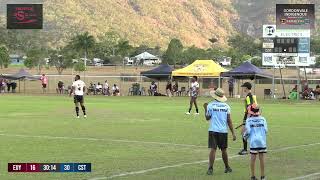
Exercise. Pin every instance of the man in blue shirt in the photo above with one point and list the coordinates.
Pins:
(256, 130)
(218, 115)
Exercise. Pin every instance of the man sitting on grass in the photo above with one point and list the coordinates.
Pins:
(115, 90)
(256, 130)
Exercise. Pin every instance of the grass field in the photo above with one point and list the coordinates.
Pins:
(148, 138)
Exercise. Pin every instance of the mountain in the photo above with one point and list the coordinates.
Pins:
(154, 22)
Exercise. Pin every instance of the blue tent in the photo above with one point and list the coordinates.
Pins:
(247, 71)
(161, 72)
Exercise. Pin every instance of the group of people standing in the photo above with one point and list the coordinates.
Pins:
(7, 86)
(218, 114)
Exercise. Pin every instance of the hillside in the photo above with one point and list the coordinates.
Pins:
(154, 22)
(151, 22)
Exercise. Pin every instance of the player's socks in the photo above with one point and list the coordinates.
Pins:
(263, 178)
(245, 144)
(77, 111)
(83, 110)
(210, 171)
(197, 110)
(253, 178)
(189, 110)
(228, 170)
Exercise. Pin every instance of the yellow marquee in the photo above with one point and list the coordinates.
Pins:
(201, 68)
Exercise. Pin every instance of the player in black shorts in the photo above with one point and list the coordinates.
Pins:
(78, 89)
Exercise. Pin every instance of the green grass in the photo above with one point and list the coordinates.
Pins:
(143, 120)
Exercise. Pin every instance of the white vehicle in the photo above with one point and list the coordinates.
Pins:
(130, 62)
(98, 64)
(225, 61)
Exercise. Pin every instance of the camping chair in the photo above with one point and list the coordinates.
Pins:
(142, 91)
(182, 90)
(130, 92)
(267, 92)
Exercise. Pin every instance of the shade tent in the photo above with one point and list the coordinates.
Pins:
(20, 75)
(146, 55)
(247, 71)
(200, 68)
(161, 72)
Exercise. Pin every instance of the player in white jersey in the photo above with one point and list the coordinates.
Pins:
(194, 91)
(78, 90)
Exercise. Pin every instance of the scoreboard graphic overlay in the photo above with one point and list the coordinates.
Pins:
(48, 167)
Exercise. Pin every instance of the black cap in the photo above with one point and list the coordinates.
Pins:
(247, 85)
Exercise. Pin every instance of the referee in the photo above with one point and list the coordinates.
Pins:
(249, 100)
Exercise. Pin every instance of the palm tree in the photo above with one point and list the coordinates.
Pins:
(83, 42)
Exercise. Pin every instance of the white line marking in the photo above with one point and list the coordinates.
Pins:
(155, 169)
(97, 139)
(191, 163)
(312, 176)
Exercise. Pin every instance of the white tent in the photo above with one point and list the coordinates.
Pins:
(148, 59)
(146, 55)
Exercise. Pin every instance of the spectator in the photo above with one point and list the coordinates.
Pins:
(44, 82)
(115, 90)
(106, 90)
(231, 86)
(294, 93)
(8, 86)
(60, 88)
(91, 88)
(169, 89)
(295, 89)
(94, 89)
(317, 91)
(13, 87)
(99, 88)
(175, 87)
(1, 85)
(153, 89)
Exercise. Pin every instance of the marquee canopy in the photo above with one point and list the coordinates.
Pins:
(201, 68)
(247, 71)
(161, 72)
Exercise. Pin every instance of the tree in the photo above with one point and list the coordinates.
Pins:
(123, 48)
(192, 53)
(79, 66)
(315, 45)
(61, 59)
(4, 57)
(245, 44)
(36, 58)
(174, 52)
(83, 42)
(106, 46)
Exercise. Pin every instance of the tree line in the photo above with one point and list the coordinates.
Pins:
(112, 48)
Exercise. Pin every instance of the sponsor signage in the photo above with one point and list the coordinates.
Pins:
(24, 16)
(295, 16)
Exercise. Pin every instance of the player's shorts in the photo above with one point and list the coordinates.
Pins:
(258, 150)
(44, 85)
(216, 139)
(78, 99)
(194, 95)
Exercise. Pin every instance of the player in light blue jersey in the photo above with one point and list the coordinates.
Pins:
(256, 130)
(218, 113)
